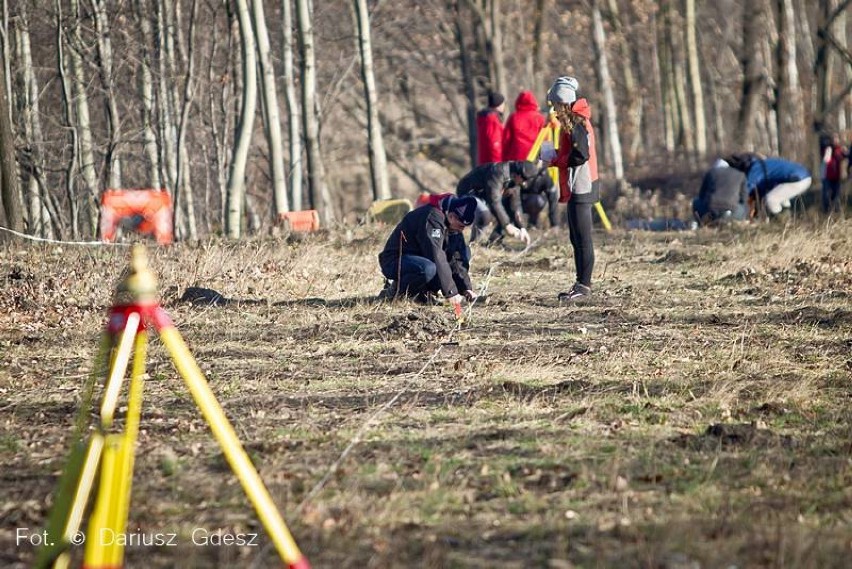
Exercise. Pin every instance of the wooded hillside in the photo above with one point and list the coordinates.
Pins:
(243, 109)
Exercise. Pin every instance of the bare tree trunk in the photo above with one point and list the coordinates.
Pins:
(599, 41)
(495, 41)
(9, 189)
(4, 34)
(237, 175)
(770, 118)
(68, 124)
(84, 129)
(679, 79)
(695, 80)
(630, 123)
(660, 88)
(102, 27)
(320, 198)
(844, 114)
(671, 118)
(375, 142)
(183, 171)
(295, 124)
(167, 126)
(38, 214)
(219, 107)
(789, 106)
(147, 94)
(753, 73)
(538, 43)
(468, 79)
(273, 117)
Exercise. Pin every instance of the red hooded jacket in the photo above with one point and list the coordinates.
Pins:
(578, 155)
(489, 137)
(522, 127)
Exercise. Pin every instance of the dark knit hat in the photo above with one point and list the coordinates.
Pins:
(495, 99)
(464, 207)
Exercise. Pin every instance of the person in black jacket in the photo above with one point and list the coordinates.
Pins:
(723, 195)
(426, 252)
(490, 183)
(540, 193)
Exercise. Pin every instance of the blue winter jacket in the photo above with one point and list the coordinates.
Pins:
(763, 175)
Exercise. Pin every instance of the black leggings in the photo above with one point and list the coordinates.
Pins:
(580, 232)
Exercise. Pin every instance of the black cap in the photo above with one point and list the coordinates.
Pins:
(464, 207)
(495, 99)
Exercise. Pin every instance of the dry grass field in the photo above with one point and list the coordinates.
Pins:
(695, 413)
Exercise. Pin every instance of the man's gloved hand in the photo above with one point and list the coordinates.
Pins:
(524, 236)
(456, 299)
(513, 231)
(470, 295)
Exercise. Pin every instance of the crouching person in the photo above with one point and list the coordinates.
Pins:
(723, 196)
(426, 252)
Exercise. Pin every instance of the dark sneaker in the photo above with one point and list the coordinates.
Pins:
(389, 291)
(577, 292)
(429, 298)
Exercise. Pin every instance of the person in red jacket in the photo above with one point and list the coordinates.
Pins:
(522, 128)
(577, 162)
(489, 130)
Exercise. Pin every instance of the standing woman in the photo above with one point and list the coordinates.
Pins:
(577, 162)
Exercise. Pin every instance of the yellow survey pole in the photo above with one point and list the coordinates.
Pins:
(231, 447)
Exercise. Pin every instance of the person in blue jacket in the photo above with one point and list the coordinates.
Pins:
(775, 181)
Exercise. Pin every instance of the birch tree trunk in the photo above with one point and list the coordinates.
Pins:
(295, 123)
(9, 189)
(320, 198)
(695, 80)
(102, 27)
(84, 129)
(236, 178)
(146, 87)
(38, 215)
(375, 141)
(599, 41)
(272, 116)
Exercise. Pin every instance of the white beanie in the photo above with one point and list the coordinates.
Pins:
(721, 164)
(563, 90)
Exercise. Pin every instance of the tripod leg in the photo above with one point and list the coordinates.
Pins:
(78, 475)
(118, 369)
(231, 447)
(120, 507)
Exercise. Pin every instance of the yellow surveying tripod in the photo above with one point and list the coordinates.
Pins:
(108, 455)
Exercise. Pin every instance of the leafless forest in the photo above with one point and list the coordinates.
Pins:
(244, 109)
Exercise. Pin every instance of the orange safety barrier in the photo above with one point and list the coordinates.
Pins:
(303, 221)
(149, 212)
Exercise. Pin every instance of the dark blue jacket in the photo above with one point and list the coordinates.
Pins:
(423, 232)
(763, 175)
